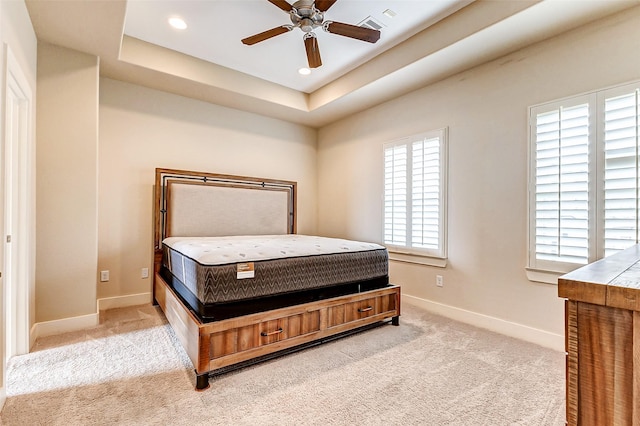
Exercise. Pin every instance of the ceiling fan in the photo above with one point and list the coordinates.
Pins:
(309, 15)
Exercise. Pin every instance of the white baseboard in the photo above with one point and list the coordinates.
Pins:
(32, 337)
(64, 325)
(3, 397)
(123, 301)
(508, 328)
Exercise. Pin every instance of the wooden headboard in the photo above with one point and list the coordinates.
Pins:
(191, 204)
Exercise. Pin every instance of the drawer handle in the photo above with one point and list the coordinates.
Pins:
(265, 334)
(367, 309)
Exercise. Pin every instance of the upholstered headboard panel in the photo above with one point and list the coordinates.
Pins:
(192, 204)
(211, 210)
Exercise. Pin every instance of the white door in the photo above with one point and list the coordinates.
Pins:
(17, 192)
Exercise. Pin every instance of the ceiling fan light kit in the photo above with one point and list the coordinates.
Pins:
(309, 15)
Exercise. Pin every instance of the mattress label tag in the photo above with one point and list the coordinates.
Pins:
(245, 270)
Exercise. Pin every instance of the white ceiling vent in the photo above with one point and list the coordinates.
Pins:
(370, 22)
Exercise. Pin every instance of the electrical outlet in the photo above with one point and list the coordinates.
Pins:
(104, 276)
(144, 273)
(439, 280)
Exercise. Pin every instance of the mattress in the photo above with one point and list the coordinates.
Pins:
(231, 269)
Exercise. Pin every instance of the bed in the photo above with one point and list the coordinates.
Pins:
(239, 285)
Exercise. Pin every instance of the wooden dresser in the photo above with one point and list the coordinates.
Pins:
(602, 315)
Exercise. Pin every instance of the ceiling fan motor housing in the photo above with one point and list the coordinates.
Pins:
(305, 16)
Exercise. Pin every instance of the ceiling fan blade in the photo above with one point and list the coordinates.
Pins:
(352, 31)
(313, 53)
(257, 38)
(324, 5)
(281, 4)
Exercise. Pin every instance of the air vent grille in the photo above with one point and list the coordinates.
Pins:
(371, 23)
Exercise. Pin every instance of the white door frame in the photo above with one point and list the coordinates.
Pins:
(18, 207)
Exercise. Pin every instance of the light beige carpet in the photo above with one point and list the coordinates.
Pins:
(131, 370)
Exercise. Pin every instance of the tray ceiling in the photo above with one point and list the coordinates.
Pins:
(426, 41)
(215, 28)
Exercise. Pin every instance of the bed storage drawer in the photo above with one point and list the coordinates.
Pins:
(251, 336)
(361, 309)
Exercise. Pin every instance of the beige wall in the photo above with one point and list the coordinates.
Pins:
(67, 214)
(141, 129)
(94, 199)
(16, 33)
(486, 111)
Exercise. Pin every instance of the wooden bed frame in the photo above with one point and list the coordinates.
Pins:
(219, 346)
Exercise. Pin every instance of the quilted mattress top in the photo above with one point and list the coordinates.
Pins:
(236, 249)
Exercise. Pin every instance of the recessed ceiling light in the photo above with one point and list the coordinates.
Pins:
(389, 13)
(304, 71)
(177, 23)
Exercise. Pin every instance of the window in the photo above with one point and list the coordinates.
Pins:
(584, 181)
(415, 179)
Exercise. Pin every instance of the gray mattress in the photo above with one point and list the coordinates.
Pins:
(218, 271)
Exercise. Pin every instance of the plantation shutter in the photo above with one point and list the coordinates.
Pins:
(562, 184)
(395, 194)
(621, 177)
(425, 194)
(415, 194)
(584, 182)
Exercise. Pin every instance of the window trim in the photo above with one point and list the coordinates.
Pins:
(548, 271)
(420, 255)
(552, 266)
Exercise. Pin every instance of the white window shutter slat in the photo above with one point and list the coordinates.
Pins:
(395, 202)
(562, 185)
(621, 177)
